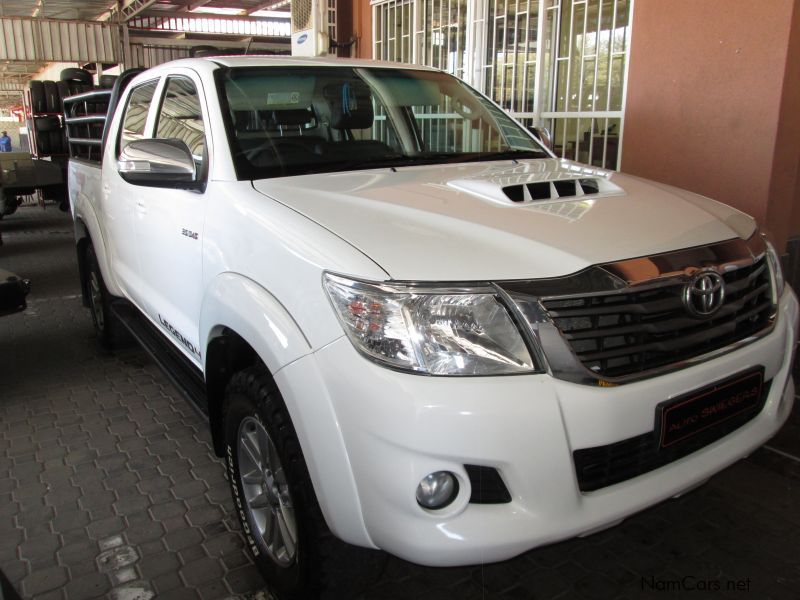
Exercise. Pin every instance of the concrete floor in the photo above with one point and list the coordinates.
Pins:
(109, 488)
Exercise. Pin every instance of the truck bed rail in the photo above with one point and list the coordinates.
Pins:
(85, 118)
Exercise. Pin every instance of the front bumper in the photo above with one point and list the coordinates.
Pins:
(396, 428)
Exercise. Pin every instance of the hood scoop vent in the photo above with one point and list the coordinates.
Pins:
(534, 192)
(551, 190)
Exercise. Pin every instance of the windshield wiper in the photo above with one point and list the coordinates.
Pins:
(394, 160)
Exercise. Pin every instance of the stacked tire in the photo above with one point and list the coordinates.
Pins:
(48, 108)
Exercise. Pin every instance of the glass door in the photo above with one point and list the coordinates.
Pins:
(586, 86)
(557, 63)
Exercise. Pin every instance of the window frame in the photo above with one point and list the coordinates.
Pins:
(162, 91)
(148, 125)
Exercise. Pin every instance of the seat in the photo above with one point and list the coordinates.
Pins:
(350, 105)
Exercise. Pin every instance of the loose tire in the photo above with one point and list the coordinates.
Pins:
(272, 491)
(8, 203)
(106, 326)
(63, 92)
(46, 124)
(107, 81)
(75, 74)
(38, 103)
(51, 97)
(43, 144)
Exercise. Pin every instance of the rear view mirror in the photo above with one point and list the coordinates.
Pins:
(158, 163)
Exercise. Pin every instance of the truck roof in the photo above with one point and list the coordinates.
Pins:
(281, 61)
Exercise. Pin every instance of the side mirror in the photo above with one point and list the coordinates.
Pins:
(543, 135)
(158, 163)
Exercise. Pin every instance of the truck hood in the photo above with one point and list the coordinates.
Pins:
(457, 222)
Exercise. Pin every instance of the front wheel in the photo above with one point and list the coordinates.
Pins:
(272, 492)
(274, 498)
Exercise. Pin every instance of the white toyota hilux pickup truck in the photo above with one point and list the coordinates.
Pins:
(409, 324)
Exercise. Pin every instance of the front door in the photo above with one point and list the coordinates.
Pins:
(169, 227)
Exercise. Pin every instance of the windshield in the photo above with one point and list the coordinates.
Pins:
(294, 120)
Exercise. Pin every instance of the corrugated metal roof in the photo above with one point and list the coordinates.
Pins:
(18, 64)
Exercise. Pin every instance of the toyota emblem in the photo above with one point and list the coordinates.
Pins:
(704, 294)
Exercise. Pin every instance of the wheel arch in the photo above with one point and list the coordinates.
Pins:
(88, 231)
(226, 354)
(244, 325)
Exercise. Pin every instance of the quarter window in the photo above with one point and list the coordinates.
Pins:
(136, 113)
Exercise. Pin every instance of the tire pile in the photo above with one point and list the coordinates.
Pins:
(47, 109)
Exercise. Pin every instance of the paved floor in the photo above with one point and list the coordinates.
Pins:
(108, 486)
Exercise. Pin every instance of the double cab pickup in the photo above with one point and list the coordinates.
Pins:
(411, 326)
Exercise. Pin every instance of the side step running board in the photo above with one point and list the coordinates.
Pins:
(179, 369)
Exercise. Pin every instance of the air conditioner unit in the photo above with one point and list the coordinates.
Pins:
(309, 28)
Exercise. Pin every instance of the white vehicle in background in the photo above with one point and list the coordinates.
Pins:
(408, 323)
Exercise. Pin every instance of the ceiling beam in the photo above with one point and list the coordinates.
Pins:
(270, 4)
(127, 10)
(167, 14)
(213, 41)
(190, 6)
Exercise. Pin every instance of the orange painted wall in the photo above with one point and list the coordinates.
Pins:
(354, 22)
(713, 100)
(362, 17)
(783, 213)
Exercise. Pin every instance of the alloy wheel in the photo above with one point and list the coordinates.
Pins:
(266, 492)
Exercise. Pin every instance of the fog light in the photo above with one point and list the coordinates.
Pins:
(437, 490)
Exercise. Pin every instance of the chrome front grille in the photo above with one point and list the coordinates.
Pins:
(629, 331)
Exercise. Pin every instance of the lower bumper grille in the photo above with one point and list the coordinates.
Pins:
(487, 485)
(603, 466)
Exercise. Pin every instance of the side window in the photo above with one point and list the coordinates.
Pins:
(136, 113)
(181, 118)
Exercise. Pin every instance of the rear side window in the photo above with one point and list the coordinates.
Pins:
(136, 113)
(181, 118)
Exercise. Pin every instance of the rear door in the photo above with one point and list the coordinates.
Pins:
(170, 223)
(121, 201)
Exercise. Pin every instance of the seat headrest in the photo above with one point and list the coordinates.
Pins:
(351, 105)
(247, 120)
(293, 117)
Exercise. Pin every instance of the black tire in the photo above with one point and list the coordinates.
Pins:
(321, 562)
(79, 75)
(106, 326)
(63, 92)
(38, 103)
(47, 124)
(8, 204)
(107, 81)
(43, 143)
(52, 100)
(204, 50)
(91, 107)
(56, 142)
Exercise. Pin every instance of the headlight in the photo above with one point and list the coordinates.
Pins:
(438, 332)
(774, 260)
